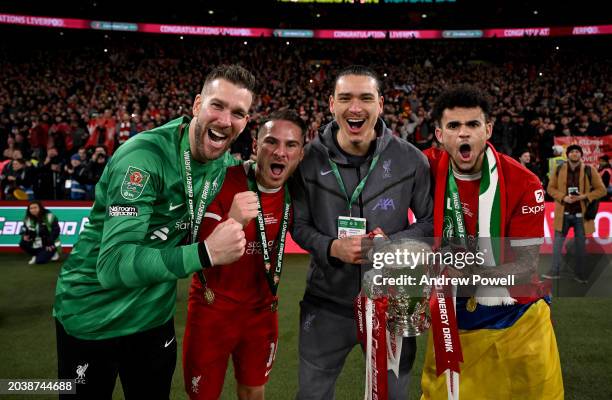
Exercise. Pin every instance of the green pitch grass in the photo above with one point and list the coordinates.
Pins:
(27, 336)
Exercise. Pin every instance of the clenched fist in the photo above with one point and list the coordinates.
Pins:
(244, 207)
(226, 243)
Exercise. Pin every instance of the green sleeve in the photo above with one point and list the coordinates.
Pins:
(127, 257)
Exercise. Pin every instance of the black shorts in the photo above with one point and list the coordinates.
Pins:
(144, 361)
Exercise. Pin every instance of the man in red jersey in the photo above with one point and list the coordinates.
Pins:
(507, 339)
(232, 310)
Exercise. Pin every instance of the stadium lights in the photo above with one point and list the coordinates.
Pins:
(424, 16)
(535, 12)
(61, 33)
(287, 42)
(181, 38)
(245, 42)
(106, 50)
(556, 47)
(539, 73)
(311, 81)
(211, 12)
(318, 15)
(385, 74)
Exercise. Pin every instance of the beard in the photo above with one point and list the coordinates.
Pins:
(198, 152)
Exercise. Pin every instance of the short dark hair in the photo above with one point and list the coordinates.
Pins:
(285, 114)
(572, 147)
(361, 71)
(464, 96)
(233, 73)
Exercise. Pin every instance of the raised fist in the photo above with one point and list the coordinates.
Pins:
(226, 243)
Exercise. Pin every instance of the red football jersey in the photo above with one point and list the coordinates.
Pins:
(243, 282)
(468, 194)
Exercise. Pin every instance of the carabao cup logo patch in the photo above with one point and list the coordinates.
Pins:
(134, 183)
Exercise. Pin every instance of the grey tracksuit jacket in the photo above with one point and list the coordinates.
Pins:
(400, 181)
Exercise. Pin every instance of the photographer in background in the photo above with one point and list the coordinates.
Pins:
(40, 234)
(573, 185)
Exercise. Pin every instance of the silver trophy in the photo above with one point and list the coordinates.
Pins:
(401, 283)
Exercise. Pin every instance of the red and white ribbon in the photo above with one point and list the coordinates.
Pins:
(447, 347)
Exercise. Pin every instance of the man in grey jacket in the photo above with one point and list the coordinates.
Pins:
(356, 177)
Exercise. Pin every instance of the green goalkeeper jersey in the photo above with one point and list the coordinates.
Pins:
(121, 275)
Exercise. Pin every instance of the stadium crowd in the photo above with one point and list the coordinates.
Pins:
(67, 103)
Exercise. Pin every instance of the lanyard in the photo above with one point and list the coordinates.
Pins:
(455, 227)
(359, 187)
(273, 277)
(210, 188)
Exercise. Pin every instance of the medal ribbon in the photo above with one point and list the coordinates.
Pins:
(210, 188)
(359, 187)
(273, 277)
(372, 333)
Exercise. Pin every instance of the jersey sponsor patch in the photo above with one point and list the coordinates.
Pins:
(539, 196)
(121, 210)
(134, 183)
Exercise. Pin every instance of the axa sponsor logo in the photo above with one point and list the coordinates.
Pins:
(532, 210)
(384, 204)
(161, 233)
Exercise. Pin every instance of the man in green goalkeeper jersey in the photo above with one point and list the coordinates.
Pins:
(115, 296)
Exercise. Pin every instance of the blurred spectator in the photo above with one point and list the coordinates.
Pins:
(73, 170)
(16, 180)
(525, 160)
(40, 234)
(91, 172)
(605, 171)
(50, 182)
(556, 160)
(505, 137)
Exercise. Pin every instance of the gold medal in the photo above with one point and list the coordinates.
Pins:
(209, 296)
(274, 306)
(471, 304)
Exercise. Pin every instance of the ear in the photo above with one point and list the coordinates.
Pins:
(197, 104)
(489, 127)
(331, 104)
(438, 132)
(381, 103)
(254, 146)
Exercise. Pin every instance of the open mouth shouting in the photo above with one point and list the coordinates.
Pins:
(355, 124)
(217, 138)
(276, 170)
(465, 152)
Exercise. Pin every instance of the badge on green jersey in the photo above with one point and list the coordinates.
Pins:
(134, 183)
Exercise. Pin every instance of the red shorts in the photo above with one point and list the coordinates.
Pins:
(213, 333)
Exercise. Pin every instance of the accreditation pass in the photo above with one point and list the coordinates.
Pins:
(351, 226)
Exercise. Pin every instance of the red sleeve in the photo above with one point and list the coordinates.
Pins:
(526, 219)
